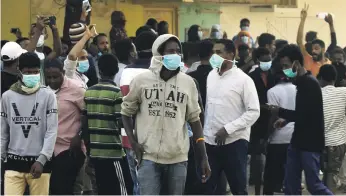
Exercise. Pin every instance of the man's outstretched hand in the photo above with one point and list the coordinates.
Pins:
(304, 12)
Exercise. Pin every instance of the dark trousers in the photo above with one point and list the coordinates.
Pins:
(66, 167)
(257, 149)
(274, 172)
(232, 160)
(193, 184)
(110, 177)
(2, 177)
(333, 157)
(297, 161)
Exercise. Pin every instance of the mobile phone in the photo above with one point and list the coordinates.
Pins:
(14, 30)
(52, 20)
(86, 5)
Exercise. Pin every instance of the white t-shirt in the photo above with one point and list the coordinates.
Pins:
(284, 96)
(120, 72)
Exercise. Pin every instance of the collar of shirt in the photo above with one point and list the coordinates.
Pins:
(230, 71)
(107, 81)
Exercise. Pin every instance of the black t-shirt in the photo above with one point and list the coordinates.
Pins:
(7, 79)
(201, 75)
(308, 116)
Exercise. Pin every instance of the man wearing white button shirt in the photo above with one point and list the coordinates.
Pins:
(232, 108)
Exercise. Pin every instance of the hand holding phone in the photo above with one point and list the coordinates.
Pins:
(52, 21)
(86, 6)
(14, 30)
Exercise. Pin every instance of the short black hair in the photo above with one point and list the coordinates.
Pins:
(161, 48)
(95, 40)
(327, 73)
(108, 65)
(54, 63)
(145, 41)
(29, 60)
(151, 22)
(205, 49)
(292, 52)
(229, 45)
(280, 43)
(311, 35)
(261, 51)
(242, 47)
(142, 29)
(3, 42)
(161, 27)
(192, 33)
(122, 49)
(319, 42)
(338, 50)
(244, 20)
(265, 38)
(19, 40)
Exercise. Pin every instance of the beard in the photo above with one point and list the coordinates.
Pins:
(316, 57)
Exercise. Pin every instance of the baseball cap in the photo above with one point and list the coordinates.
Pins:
(11, 51)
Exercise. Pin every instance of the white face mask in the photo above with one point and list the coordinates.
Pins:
(40, 41)
(200, 34)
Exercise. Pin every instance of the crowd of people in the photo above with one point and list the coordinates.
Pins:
(152, 115)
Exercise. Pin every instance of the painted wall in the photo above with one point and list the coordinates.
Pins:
(204, 15)
(284, 22)
(14, 16)
(27, 10)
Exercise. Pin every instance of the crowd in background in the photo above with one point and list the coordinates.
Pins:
(151, 115)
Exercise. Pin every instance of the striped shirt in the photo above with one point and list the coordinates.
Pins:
(103, 105)
(334, 109)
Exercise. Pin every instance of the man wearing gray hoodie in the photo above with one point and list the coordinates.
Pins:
(29, 124)
(163, 100)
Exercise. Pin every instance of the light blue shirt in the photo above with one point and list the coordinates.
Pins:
(189, 130)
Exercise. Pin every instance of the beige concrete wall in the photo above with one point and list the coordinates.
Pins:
(283, 23)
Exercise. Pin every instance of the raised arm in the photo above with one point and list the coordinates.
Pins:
(89, 33)
(300, 36)
(57, 46)
(37, 33)
(333, 44)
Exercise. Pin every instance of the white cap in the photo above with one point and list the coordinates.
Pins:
(11, 51)
(216, 27)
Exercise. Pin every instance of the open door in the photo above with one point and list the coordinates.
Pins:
(167, 14)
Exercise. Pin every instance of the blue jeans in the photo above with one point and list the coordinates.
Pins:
(297, 161)
(153, 176)
(130, 155)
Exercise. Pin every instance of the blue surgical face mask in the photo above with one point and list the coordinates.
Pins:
(265, 66)
(216, 61)
(244, 28)
(31, 81)
(171, 61)
(83, 66)
(289, 73)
